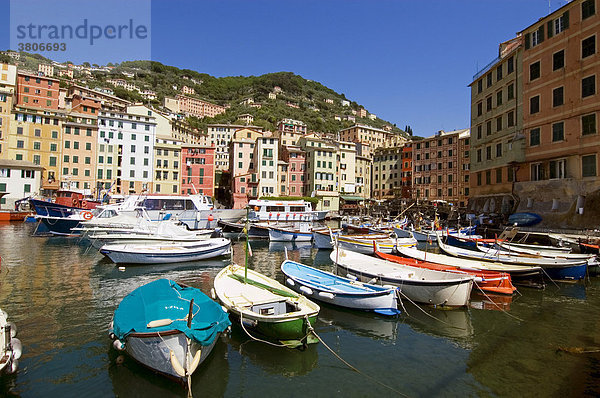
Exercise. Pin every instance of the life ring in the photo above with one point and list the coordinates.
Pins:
(75, 202)
(87, 215)
(83, 204)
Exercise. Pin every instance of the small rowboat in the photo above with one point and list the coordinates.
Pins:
(160, 253)
(168, 328)
(364, 243)
(488, 281)
(418, 284)
(333, 289)
(322, 237)
(266, 306)
(281, 234)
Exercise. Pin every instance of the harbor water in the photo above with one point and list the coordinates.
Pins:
(61, 294)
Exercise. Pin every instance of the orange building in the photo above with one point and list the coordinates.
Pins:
(37, 91)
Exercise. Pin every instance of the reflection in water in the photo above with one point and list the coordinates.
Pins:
(361, 323)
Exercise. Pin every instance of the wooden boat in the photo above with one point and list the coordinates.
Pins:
(555, 268)
(10, 346)
(333, 289)
(533, 250)
(423, 235)
(322, 237)
(290, 234)
(168, 328)
(520, 274)
(265, 306)
(167, 252)
(364, 243)
(589, 248)
(421, 285)
(488, 281)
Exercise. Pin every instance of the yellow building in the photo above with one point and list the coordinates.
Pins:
(167, 163)
(36, 136)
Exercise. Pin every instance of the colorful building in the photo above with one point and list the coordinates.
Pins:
(197, 169)
(167, 165)
(37, 91)
(18, 179)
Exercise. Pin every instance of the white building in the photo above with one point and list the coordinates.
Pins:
(345, 103)
(125, 151)
(18, 179)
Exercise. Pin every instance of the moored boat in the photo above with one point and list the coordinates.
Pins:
(168, 328)
(322, 237)
(421, 285)
(171, 252)
(333, 289)
(283, 234)
(265, 306)
(364, 243)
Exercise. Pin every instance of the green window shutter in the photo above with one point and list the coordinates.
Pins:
(566, 20)
(550, 30)
(527, 41)
(541, 33)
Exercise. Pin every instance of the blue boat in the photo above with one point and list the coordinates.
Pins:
(168, 328)
(524, 219)
(45, 208)
(566, 273)
(333, 289)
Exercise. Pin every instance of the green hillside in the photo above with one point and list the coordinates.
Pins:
(166, 80)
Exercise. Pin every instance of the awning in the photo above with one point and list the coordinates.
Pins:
(352, 198)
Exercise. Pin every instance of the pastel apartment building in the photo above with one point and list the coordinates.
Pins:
(37, 91)
(197, 169)
(242, 167)
(8, 81)
(561, 69)
(191, 106)
(167, 165)
(372, 136)
(295, 158)
(219, 136)
(79, 146)
(18, 179)
(387, 173)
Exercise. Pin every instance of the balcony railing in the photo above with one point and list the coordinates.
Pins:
(486, 68)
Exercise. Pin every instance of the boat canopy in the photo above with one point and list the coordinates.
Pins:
(164, 299)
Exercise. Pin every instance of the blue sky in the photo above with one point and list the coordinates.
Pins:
(408, 61)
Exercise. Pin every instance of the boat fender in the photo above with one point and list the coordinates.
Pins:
(159, 322)
(17, 347)
(249, 323)
(118, 345)
(195, 361)
(350, 276)
(13, 329)
(213, 294)
(13, 366)
(176, 365)
(225, 310)
(306, 290)
(327, 295)
(372, 281)
(290, 282)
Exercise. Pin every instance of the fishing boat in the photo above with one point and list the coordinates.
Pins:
(10, 346)
(66, 203)
(283, 211)
(423, 235)
(168, 328)
(555, 268)
(420, 285)
(166, 232)
(524, 275)
(265, 306)
(364, 243)
(282, 234)
(171, 252)
(542, 251)
(322, 237)
(488, 281)
(333, 289)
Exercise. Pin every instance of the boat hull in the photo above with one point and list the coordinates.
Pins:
(126, 255)
(154, 351)
(322, 240)
(280, 235)
(60, 225)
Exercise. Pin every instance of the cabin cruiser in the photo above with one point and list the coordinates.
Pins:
(283, 211)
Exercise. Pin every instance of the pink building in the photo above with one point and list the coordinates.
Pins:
(242, 166)
(295, 158)
(197, 169)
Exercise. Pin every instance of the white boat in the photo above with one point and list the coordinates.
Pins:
(424, 235)
(10, 346)
(322, 237)
(344, 292)
(167, 252)
(284, 211)
(167, 327)
(420, 285)
(536, 251)
(286, 234)
(365, 243)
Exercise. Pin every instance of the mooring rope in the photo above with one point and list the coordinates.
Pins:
(500, 308)
(429, 315)
(312, 330)
(265, 341)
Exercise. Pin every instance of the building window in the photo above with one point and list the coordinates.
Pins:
(499, 150)
(498, 176)
(558, 60)
(499, 123)
(588, 166)
(488, 127)
(479, 86)
(588, 86)
(510, 65)
(479, 156)
(558, 132)
(558, 168)
(479, 113)
(588, 46)
(479, 129)
(534, 104)
(510, 92)
(558, 96)
(479, 178)
(537, 172)
(489, 79)
(510, 119)
(499, 98)
(499, 73)
(488, 103)
(488, 153)
(588, 124)
(20, 144)
(534, 137)
(488, 177)
(534, 71)
(588, 8)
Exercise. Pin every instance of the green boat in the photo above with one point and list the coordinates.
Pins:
(265, 307)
